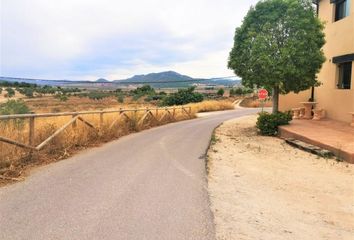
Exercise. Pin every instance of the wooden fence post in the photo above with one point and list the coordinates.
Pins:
(74, 125)
(31, 131)
(120, 113)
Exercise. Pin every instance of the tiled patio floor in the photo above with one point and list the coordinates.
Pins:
(335, 136)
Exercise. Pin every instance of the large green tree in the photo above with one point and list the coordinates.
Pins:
(278, 46)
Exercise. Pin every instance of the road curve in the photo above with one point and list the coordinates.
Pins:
(148, 185)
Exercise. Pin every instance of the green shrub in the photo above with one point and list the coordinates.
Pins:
(136, 97)
(67, 91)
(99, 95)
(81, 95)
(140, 92)
(144, 90)
(268, 123)
(240, 91)
(10, 92)
(220, 92)
(14, 107)
(155, 97)
(232, 92)
(16, 84)
(120, 97)
(183, 96)
(61, 97)
(47, 89)
(28, 92)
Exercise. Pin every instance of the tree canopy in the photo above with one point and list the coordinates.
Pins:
(183, 96)
(278, 46)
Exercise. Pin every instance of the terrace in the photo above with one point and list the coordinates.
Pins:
(335, 136)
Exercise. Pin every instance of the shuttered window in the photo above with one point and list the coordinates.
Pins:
(345, 75)
(341, 9)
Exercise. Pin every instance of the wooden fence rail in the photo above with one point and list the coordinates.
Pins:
(77, 116)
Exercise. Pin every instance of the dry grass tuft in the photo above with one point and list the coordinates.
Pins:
(212, 105)
(253, 102)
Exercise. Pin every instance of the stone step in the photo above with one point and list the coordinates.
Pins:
(309, 148)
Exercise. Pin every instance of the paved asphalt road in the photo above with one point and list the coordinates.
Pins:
(148, 185)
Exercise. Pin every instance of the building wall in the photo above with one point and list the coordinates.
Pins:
(292, 100)
(339, 41)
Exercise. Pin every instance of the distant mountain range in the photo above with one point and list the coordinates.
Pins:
(161, 79)
(102, 80)
(169, 76)
(174, 78)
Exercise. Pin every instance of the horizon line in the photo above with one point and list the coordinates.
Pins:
(117, 80)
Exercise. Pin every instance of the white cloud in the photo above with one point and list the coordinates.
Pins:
(75, 39)
(209, 65)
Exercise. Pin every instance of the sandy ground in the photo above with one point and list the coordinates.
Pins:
(4, 99)
(261, 188)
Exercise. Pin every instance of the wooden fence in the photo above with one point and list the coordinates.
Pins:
(78, 116)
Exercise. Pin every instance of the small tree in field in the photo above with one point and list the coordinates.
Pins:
(10, 92)
(220, 92)
(183, 96)
(278, 47)
(14, 107)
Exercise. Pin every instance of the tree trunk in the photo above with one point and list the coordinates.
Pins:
(275, 99)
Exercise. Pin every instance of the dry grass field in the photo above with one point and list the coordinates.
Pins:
(253, 102)
(212, 105)
(75, 104)
(14, 161)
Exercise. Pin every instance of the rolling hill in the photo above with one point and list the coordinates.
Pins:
(169, 76)
(174, 79)
(167, 79)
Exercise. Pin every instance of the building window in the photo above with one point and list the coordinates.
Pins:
(341, 9)
(345, 75)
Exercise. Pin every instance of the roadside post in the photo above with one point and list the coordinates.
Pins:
(262, 96)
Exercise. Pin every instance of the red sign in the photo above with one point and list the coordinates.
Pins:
(262, 94)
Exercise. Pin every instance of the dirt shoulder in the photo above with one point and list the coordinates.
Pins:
(261, 188)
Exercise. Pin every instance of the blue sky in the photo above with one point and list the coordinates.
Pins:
(114, 39)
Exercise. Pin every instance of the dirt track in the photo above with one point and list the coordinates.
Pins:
(262, 188)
